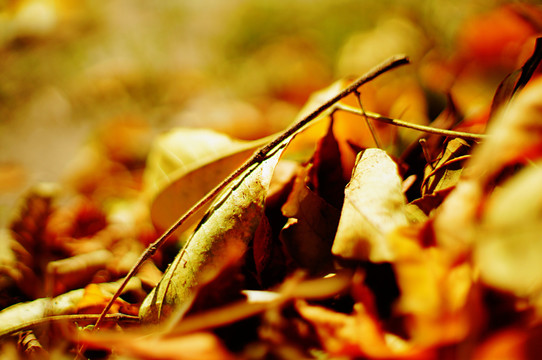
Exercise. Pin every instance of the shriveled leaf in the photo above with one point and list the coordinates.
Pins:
(327, 174)
(374, 206)
(446, 172)
(184, 164)
(514, 139)
(309, 232)
(508, 251)
(515, 136)
(220, 239)
(517, 80)
(29, 243)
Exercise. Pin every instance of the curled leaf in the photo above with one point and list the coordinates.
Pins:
(374, 206)
(220, 239)
(184, 165)
(517, 79)
(445, 174)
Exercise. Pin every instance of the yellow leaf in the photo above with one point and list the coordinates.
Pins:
(184, 165)
(374, 206)
(194, 346)
(435, 299)
(508, 251)
(514, 138)
(219, 240)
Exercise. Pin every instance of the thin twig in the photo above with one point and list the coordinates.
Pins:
(427, 129)
(68, 317)
(257, 157)
(369, 124)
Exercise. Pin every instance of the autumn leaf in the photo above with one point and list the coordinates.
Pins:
(445, 172)
(374, 206)
(508, 251)
(517, 80)
(185, 164)
(514, 141)
(310, 229)
(20, 315)
(29, 242)
(436, 294)
(189, 347)
(220, 239)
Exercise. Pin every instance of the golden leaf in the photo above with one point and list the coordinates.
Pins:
(184, 165)
(220, 239)
(374, 206)
(508, 250)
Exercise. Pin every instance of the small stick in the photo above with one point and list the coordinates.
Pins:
(257, 157)
(427, 129)
(369, 124)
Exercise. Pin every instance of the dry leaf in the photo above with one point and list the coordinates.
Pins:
(220, 239)
(435, 293)
(359, 334)
(188, 347)
(18, 315)
(309, 232)
(374, 206)
(30, 245)
(445, 173)
(14, 316)
(76, 271)
(184, 165)
(508, 250)
(326, 176)
(514, 139)
(517, 79)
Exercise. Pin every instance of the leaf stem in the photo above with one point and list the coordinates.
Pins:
(257, 157)
(396, 122)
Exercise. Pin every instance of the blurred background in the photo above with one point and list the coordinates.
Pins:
(123, 71)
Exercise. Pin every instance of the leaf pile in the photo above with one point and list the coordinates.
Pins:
(328, 247)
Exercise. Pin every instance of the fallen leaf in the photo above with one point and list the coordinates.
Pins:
(445, 173)
(326, 174)
(308, 234)
(358, 334)
(18, 315)
(436, 294)
(517, 79)
(374, 206)
(76, 271)
(514, 139)
(30, 245)
(508, 250)
(184, 165)
(194, 346)
(220, 239)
